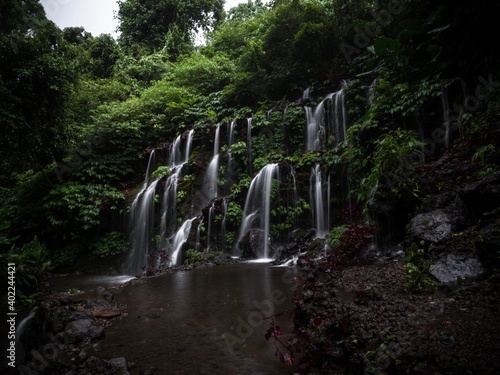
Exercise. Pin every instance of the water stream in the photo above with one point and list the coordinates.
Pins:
(207, 321)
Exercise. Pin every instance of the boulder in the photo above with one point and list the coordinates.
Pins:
(452, 267)
(434, 227)
(252, 244)
(82, 330)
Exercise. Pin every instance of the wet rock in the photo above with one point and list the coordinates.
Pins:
(82, 330)
(120, 365)
(252, 244)
(453, 267)
(434, 226)
(317, 246)
(297, 243)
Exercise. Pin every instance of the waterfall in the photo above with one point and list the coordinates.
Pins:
(257, 212)
(315, 128)
(230, 133)
(249, 146)
(177, 161)
(329, 118)
(21, 330)
(210, 185)
(169, 208)
(198, 235)
(179, 239)
(211, 215)
(141, 221)
(223, 224)
(317, 201)
(371, 91)
(340, 119)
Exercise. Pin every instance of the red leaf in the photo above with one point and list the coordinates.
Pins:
(277, 331)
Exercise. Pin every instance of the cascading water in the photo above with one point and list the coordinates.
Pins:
(179, 239)
(326, 123)
(142, 219)
(257, 212)
(211, 211)
(319, 203)
(141, 223)
(21, 331)
(329, 118)
(223, 224)
(177, 161)
(210, 186)
(230, 136)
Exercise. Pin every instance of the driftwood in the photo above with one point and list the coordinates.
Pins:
(106, 314)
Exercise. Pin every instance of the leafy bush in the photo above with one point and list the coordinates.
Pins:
(31, 266)
(73, 206)
(394, 157)
(110, 244)
(418, 278)
(161, 172)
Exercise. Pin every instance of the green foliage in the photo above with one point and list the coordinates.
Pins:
(31, 265)
(66, 257)
(151, 25)
(36, 79)
(193, 256)
(161, 172)
(201, 73)
(107, 169)
(395, 155)
(73, 207)
(234, 213)
(483, 151)
(140, 72)
(109, 245)
(287, 217)
(418, 278)
(334, 239)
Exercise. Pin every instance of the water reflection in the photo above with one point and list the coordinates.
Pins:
(207, 321)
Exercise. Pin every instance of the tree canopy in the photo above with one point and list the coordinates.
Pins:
(147, 26)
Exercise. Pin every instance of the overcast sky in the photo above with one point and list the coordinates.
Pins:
(96, 16)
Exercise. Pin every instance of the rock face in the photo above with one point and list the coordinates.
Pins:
(434, 226)
(252, 244)
(451, 268)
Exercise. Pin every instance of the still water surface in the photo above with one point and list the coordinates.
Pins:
(206, 321)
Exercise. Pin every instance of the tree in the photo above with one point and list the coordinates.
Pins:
(147, 26)
(36, 77)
